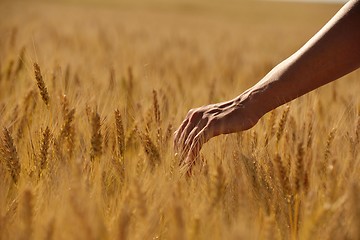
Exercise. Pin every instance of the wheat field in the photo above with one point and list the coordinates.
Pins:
(92, 91)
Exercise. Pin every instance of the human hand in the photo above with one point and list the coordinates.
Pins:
(203, 123)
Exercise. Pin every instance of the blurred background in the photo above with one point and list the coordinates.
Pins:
(102, 175)
(199, 42)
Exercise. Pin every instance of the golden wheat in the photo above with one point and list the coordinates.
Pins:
(96, 136)
(104, 150)
(10, 156)
(120, 135)
(44, 150)
(41, 84)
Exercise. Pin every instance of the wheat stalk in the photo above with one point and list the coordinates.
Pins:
(20, 62)
(282, 123)
(130, 87)
(282, 176)
(157, 117)
(120, 136)
(96, 137)
(10, 155)
(67, 130)
(9, 70)
(156, 107)
(41, 84)
(29, 100)
(44, 149)
(131, 136)
(112, 79)
(169, 133)
(329, 141)
(310, 134)
(67, 77)
(357, 130)
(299, 170)
(151, 150)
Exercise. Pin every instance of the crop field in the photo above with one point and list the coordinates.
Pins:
(91, 93)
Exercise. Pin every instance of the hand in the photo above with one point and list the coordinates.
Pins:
(203, 123)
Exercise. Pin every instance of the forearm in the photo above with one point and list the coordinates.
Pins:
(333, 52)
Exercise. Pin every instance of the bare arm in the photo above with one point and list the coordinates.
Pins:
(333, 52)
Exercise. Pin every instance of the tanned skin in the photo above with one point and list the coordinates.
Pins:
(331, 53)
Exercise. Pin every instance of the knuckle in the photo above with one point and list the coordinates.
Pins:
(213, 111)
(206, 118)
(190, 112)
(195, 115)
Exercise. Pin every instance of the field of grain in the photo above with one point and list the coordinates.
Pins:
(92, 91)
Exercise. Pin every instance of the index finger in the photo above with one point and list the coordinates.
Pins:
(198, 141)
(178, 133)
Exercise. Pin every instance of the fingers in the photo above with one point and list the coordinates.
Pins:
(190, 135)
(190, 138)
(196, 144)
(185, 128)
(194, 121)
(178, 133)
(180, 130)
(199, 127)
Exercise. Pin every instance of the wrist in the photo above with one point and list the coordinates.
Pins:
(251, 107)
(268, 93)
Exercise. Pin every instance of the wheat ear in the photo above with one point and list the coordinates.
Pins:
(282, 123)
(120, 136)
(96, 138)
(10, 155)
(41, 84)
(44, 149)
